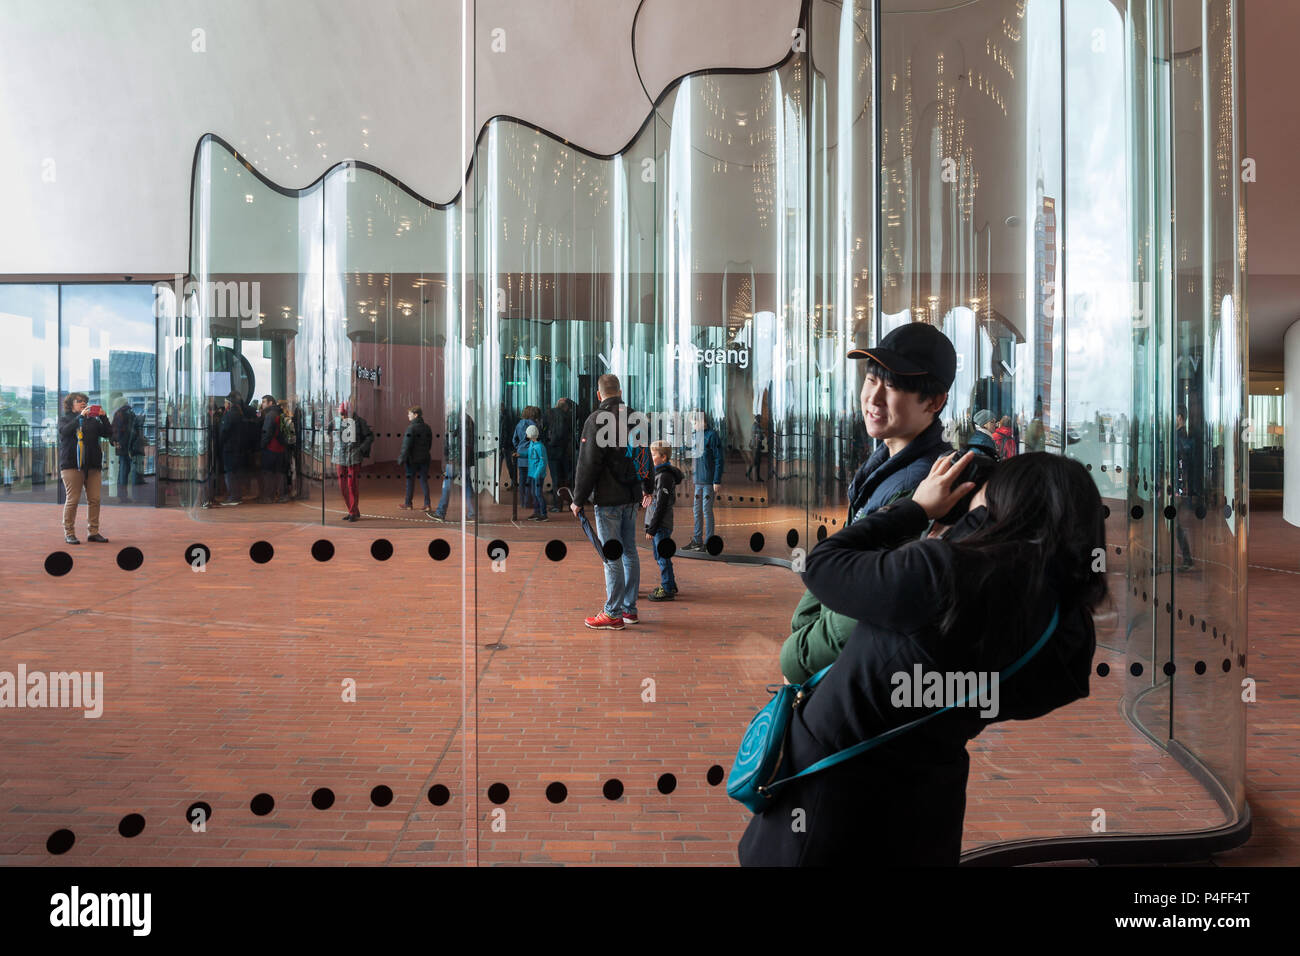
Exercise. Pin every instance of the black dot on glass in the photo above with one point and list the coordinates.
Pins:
(261, 552)
(1227, 511)
(1117, 550)
(439, 549)
(613, 789)
(1105, 511)
(1200, 667)
(1144, 595)
(1241, 660)
(1088, 466)
(715, 775)
(1135, 669)
(1170, 511)
(322, 550)
(1167, 607)
(612, 549)
(1200, 511)
(667, 783)
(439, 795)
(1136, 512)
(58, 564)
(821, 532)
(322, 798)
(60, 841)
(381, 549)
(1202, 625)
(200, 812)
(130, 559)
(667, 548)
(498, 793)
(556, 549)
(131, 825)
(557, 792)
(198, 555)
(381, 796)
(262, 804)
(497, 549)
(791, 538)
(756, 542)
(1216, 632)
(1180, 614)
(1103, 669)
(1227, 665)
(1118, 469)
(1168, 668)
(1103, 469)
(713, 546)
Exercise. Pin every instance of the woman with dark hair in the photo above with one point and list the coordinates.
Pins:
(933, 619)
(81, 462)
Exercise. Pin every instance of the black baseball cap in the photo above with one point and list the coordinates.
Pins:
(914, 349)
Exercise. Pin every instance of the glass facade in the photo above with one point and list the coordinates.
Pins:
(1052, 185)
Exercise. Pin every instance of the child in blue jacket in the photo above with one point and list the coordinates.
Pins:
(535, 452)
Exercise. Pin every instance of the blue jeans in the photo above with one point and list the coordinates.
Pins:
(413, 472)
(666, 577)
(467, 481)
(539, 503)
(703, 504)
(622, 577)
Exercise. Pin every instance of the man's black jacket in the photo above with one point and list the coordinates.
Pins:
(903, 802)
(603, 444)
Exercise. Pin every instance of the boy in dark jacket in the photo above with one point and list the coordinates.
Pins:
(659, 518)
(907, 380)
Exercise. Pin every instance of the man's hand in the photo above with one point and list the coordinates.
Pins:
(575, 509)
(646, 499)
(936, 494)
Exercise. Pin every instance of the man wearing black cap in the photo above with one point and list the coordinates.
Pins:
(908, 376)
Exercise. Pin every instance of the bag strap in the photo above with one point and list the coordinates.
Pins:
(851, 752)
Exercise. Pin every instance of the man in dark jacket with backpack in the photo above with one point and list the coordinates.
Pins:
(127, 442)
(614, 472)
(273, 449)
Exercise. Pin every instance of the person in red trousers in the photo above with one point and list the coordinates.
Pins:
(352, 441)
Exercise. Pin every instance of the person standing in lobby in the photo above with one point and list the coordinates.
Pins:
(451, 448)
(414, 456)
(607, 476)
(273, 450)
(81, 462)
(124, 436)
(706, 449)
(352, 441)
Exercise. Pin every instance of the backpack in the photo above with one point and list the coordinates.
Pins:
(634, 466)
(287, 436)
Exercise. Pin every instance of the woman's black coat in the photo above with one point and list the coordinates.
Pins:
(92, 431)
(903, 802)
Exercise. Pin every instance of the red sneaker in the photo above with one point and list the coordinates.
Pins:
(631, 619)
(603, 622)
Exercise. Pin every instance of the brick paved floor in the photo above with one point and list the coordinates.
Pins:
(230, 682)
